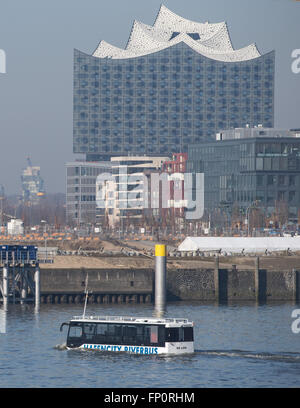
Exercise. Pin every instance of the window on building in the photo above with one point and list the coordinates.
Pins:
(292, 180)
(292, 195)
(281, 180)
(260, 180)
(271, 180)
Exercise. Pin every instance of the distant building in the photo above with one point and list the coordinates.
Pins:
(176, 204)
(81, 190)
(15, 227)
(247, 165)
(257, 131)
(177, 164)
(127, 194)
(32, 184)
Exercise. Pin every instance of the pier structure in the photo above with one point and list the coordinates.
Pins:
(19, 274)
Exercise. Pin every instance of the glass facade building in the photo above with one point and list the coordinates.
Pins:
(241, 171)
(160, 95)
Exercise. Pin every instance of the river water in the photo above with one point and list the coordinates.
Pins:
(237, 345)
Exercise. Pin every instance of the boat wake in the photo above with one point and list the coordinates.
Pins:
(61, 346)
(287, 356)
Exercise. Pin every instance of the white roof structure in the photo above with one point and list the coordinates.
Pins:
(210, 40)
(240, 244)
(143, 320)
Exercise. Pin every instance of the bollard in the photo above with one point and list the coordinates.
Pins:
(64, 299)
(160, 276)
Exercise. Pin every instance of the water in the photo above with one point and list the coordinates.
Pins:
(238, 345)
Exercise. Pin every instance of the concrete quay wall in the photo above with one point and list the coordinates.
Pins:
(125, 285)
(104, 286)
(233, 284)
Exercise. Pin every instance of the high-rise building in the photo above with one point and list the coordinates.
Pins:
(177, 82)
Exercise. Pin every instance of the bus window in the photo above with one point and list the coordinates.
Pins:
(141, 335)
(179, 334)
(89, 330)
(114, 333)
(161, 336)
(172, 334)
(129, 334)
(154, 335)
(101, 332)
(75, 330)
(188, 334)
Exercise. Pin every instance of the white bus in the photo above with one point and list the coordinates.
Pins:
(138, 335)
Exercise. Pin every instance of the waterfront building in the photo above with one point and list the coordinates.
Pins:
(250, 167)
(15, 227)
(81, 190)
(128, 196)
(177, 82)
(176, 167)
(177, 164)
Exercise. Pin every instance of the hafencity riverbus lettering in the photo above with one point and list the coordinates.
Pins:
(130, 349)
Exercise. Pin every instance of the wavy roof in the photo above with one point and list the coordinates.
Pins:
(210, 40)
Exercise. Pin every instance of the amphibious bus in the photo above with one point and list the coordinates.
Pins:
(139, 335)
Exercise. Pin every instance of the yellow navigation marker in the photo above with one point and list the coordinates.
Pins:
(160, 250)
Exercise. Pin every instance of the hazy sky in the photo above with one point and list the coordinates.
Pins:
(38, 37)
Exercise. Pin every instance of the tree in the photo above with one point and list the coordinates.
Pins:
(281, 212)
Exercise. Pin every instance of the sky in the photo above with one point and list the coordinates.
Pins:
(39, 36)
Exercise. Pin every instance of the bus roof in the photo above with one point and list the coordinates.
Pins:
(129, 319)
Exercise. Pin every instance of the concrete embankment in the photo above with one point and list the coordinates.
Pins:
(104, 285)
(232, 284)
(120, 285)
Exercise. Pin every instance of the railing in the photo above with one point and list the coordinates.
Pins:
(132, 319)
